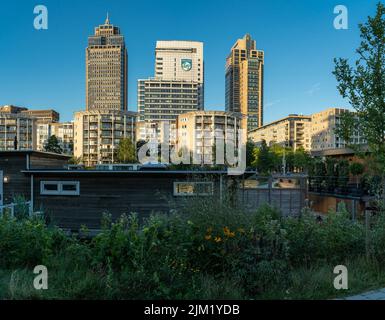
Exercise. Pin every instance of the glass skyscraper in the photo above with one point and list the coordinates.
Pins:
(244, 81)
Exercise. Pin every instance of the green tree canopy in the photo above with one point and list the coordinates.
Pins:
(75, 160)
(250, 146)
(356, 168)
(263, 159)
(52, 145)
(126, 152)
(302, 160)
(363, 84)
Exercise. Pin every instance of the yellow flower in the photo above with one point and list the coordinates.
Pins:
(217, 239)
(228, 233)
(208, 236)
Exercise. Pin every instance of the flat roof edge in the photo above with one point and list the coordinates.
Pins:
(125, 171)
(34, 152)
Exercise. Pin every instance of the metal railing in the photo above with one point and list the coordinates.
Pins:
(12, 206)
(336, 185)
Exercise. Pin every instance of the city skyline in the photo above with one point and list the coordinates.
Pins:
(37, 81)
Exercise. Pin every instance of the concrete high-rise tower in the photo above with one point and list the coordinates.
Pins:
(106, 121)
(244, 81)
(177, 87)
(181, 61)
(106, 69)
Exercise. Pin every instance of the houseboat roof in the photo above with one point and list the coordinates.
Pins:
(93, 171)
(33, 152)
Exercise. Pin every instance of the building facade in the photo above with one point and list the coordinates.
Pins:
(244, 81)
(293, 131)
(97, 134)
(177, 87)
(43, 132)
(17, 130)
(164, 100)
(64, 132)
(44, 121)
(197, 132)
(43, 116)
(181, 61)
(45, 124)
(313, 133)
(160, 102)
(106, 69)
(156, 131)
(12, 109)
(323, 128)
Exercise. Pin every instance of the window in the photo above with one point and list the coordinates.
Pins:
(193, 188)
(64, 188)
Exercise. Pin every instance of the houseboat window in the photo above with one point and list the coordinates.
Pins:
(70, 188)
(193, 188)
(51, 187)
(66, 188)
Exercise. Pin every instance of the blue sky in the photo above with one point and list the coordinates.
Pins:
(46, 69)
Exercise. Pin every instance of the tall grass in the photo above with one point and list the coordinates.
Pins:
(208, 248)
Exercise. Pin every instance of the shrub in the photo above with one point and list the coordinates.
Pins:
(334, 239)
(204, 249)
(27, 242)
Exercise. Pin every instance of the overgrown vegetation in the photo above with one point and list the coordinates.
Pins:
(207, 249)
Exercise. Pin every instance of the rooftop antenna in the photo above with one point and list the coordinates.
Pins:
(108, 19)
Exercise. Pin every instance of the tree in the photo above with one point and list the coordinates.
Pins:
(356, 169)
(348, 124)
(331, 173)
(363, 84)
(263, 160)
(317, 173)
(343, 173)
(250, 146)
(276, 155)
(126, 151)
(302, 160)
(52, 145)
(75, 160)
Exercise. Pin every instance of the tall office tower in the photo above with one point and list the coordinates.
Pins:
(106, 69)
(181, 61)
(178, 87)
(244, 81)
